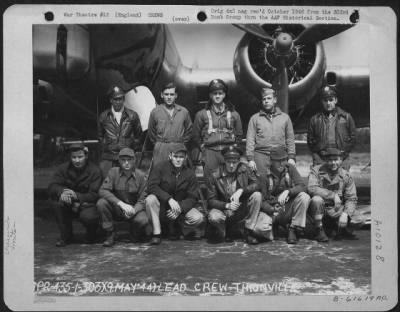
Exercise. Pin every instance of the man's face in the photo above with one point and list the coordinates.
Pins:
(268, 101)
(231, 164)
(169, 96)
(334, 163)
(217, 96)
(78, 159)
(329, 103)
(278, 165)
(177, 159)
(127, 163)
(117, 103)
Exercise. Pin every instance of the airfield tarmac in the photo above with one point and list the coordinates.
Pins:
(199, 268)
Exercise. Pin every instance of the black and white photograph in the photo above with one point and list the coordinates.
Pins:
(215, 157)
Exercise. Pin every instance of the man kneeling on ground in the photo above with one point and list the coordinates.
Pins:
(334, 197)
(173, 193)
(74, 190)
(233, 199)
(284, 193)
(122, 198)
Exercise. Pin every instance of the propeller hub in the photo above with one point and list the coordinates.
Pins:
(283, 43)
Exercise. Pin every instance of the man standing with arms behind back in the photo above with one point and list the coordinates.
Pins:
(268, 129)
(331, 128)
(169, 123)
(119, 127)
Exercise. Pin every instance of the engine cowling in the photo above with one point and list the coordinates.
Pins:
(255, 65)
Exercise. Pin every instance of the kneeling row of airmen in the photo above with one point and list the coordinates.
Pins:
(239, 203)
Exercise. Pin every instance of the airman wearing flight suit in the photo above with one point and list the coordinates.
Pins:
(169, 123)
(332, 127)
(268, 129)
(216, 126)
(119, 127)
(334, 196)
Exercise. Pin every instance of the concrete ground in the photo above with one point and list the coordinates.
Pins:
(199, 268)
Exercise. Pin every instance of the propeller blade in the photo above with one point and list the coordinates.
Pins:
(281, 86)
(255, 30)
(319, 32)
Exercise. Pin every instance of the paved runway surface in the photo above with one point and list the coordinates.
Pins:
(199, 268)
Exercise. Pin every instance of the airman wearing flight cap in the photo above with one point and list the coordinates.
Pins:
(173, 195)
(332, 127)
(118, 127)
(334, 197)
(268, 129)
(73, 190)
(233, 199)
(284, 193)
(122, 197)
(216, 126)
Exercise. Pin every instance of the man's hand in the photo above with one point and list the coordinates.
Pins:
(236, 196)
(337, 201)
(343, 219)
(65, 197)
(292, 161)
(252, 165)
(233, 206)
(175, 207)
(283, 197)
(128, 210)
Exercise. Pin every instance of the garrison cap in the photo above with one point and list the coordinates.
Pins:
(127, 152)
(265, 91)
(232, 152)
(178, 147)
(330, 151)
(74, 147)
(278, 153)
(327, 91)
(115, 92)
(217, 84)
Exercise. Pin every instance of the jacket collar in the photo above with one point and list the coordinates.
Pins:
(121, 173)
(275, 112)
(324, 172)
(338, 112)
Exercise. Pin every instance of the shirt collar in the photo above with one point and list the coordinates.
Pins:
(133, 173)
(275, 111)
(219, 111)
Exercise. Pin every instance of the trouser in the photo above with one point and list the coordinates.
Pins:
(212, 160)
(263, 162)
(317, 160)
(246, 216)
(295, 211)
(263, 228)
(108, 212)
(106, 164)
(320, 212)
(87, 215)
(191, 222)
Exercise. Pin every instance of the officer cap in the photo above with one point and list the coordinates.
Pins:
(327, 91)
(115, 92)
(178, 147)
(265, 91)
(217, 84)
(127, 152)
(232, 152)
(278, 154)
(74, 147)
(330, 151)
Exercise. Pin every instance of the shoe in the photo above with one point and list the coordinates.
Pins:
(251, 240)
(347, 234)
(321, 235)
(155, 240)
(110, 240)
(292, 238)
(61, 243)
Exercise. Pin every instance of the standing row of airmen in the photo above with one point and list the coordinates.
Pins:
(254, 200)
